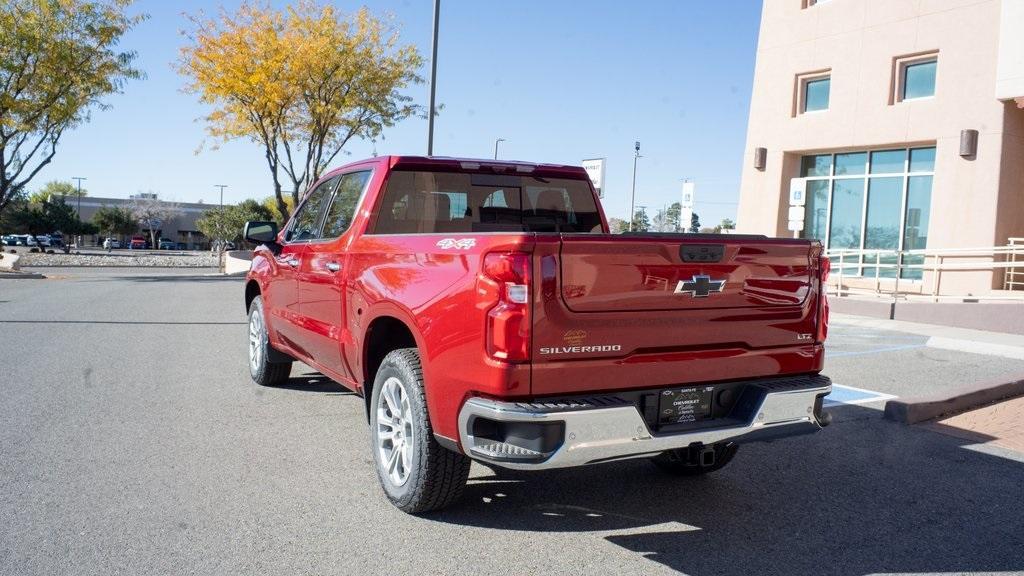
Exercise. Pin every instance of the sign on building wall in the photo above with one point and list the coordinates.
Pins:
(797, 200)
(595, 169)
(797, 192)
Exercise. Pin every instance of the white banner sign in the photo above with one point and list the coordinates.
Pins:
(796, 212)
(689, 190)
(595, 169)
(796, 225)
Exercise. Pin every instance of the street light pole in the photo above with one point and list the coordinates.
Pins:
(632, 196)
(433, 81)
(222, 187)
(79, 179)
(496, 147)
(78, 237)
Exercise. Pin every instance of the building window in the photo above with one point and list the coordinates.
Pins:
(870, 200)
(814, 92)
(915, 76)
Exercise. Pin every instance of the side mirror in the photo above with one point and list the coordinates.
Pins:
(260, 232)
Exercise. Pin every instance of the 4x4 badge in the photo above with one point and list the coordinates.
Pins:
(700, 287)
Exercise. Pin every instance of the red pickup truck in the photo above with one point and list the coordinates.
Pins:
(484, 312)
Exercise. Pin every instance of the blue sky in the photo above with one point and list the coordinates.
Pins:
(560, 81)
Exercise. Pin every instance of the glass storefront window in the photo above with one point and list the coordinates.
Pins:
(847, 208)
(870, 200)
(816, 210)
(922, 160)
(851, 164)
(820, 165)
(915, 236)
(888, 161)
(882, 231)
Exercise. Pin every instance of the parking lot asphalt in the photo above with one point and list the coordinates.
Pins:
(133, 442)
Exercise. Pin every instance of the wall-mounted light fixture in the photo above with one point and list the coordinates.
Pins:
(760, 158)
(968, 143)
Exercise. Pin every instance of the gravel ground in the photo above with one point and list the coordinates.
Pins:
(122, 258)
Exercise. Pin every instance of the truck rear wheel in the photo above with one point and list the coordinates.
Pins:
(694, 460)
(263, 371)
(416, 473)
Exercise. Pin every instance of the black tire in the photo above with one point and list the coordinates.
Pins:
(263, 371)
(687, 461)
(436, 476)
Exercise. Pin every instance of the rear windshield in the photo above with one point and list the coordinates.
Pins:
(443, 202)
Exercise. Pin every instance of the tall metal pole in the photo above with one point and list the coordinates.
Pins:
(632, 196)
(222, 187)
(78, 237)
(79, 178)
(496, 147)
(433, 80)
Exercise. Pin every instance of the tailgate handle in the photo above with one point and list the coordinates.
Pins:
(702, 252)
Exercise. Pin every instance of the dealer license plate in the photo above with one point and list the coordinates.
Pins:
(685, 405)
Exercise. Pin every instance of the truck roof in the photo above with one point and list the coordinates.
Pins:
(473, 164)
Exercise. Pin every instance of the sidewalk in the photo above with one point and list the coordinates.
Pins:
(945, 337)
(1000, 425)
(988, 411)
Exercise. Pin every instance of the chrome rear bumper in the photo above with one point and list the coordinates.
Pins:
(597, 432)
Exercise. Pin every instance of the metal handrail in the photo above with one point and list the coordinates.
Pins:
(844, 259)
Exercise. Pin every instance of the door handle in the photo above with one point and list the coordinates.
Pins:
(333, 266)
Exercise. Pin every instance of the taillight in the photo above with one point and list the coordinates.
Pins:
(825, 268)
(507, 276)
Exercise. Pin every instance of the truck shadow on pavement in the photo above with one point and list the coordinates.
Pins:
(863, 496)
(313, 382)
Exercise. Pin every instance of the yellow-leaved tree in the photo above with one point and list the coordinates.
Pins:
(301, 82)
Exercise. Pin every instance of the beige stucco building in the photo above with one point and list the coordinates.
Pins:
(876, 103)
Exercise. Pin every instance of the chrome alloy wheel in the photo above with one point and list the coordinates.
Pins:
(255, 339)
(394, 431)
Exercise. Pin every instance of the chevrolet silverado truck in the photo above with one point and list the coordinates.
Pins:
(484, 312)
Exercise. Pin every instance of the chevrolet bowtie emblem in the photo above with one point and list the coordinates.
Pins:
(700, 287)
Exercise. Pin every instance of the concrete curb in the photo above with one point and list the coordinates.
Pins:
(914, 410)
(19, 275)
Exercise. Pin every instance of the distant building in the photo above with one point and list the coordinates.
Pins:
(906, 118)
(181, 229)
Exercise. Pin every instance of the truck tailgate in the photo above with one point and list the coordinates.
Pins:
(624, 311)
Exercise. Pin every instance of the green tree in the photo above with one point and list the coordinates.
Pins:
(114, 221)
(226, 224)
(727, 224)
(672, 217)
(301, 82)
(58, 60)
(640, 221)
(52, 215)
(617, 225)
(270, 203)
(694, 223)
(61, 188)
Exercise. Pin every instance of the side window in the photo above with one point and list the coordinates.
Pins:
(304, 224)
(343, 207)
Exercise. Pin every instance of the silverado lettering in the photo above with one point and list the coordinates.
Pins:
(580, 349)
(433, 288)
